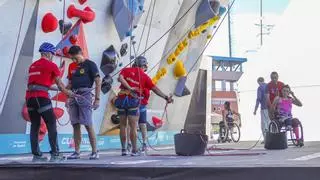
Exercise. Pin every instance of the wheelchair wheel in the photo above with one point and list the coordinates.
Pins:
(273, 127)
(295, 141)
(224, 135)
(215, 131)
(235, 132)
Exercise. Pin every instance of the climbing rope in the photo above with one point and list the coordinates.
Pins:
(144, 26)
(199, 57)
(14, 54)
(206, 45)
(149, 30)
(162, 36)
(62, 63)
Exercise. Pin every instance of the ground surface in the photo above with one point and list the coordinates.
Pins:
(230, 155)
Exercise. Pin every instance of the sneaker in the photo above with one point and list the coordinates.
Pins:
(135, 154)
(94, 156)
(144, 147)
(129, 147)
(124, 152)
(57, 157)
(74, 155)
(301, 143)
(37, 158)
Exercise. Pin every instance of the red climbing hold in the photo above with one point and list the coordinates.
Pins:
(61, 97)
(157, 122)
(91, 15)
(73, 39)
(49, 23)
(66, 51)
(86, 15)
(82, 1)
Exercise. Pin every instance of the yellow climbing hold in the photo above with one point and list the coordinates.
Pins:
(155, 80)
(209, 36)
(181, 46)
(177, 52)
(213, 20)
(163, 71)
(185, 42)
(171, 59)
(179, 69)
(191, 35)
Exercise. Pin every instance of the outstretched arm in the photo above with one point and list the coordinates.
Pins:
(158, 92)
(62, 87)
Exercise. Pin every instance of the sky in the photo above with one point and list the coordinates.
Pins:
(291, 49)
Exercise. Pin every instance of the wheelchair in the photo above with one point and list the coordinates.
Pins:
(230, 133)
(277, 126)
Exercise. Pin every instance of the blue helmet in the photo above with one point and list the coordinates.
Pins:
(47, 47)
(141, 61)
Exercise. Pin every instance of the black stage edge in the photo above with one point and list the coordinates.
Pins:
(85, 172)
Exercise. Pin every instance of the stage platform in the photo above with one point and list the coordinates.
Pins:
(226, 161)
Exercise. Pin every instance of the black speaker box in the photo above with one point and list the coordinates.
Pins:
(190, 144)
(276, 141)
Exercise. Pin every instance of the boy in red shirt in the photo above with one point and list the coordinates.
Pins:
(133, 82)
(43, 73)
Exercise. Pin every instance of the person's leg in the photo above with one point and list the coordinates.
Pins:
(35, 127)
(77, 137)
(264, 122)
(123, 130)
(50, 120)
(92, 138)
(295, 126)
(133, 131)
(129, 146)
(143, 124)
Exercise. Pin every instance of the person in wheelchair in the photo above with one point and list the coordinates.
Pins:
(282, 108)
(227, 120)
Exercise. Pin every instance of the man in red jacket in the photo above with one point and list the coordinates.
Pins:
(43, 73)
(133, 82)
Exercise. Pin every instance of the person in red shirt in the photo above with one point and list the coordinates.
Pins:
(43, 73)
(274, 89)
(134, 81)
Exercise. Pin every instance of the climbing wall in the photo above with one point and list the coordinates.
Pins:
(184, 47)
(146, 27)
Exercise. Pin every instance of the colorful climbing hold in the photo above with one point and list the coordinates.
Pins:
(163, 71)
(171, 59)
(66, 51)
(209, 36)
(73, 39)
(86, 15)
(179, 69)
(49, 23)
(185, 42)
(177, 52)
(82, 1)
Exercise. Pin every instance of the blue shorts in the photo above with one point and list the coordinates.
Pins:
(143, 115)
(128, 112)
